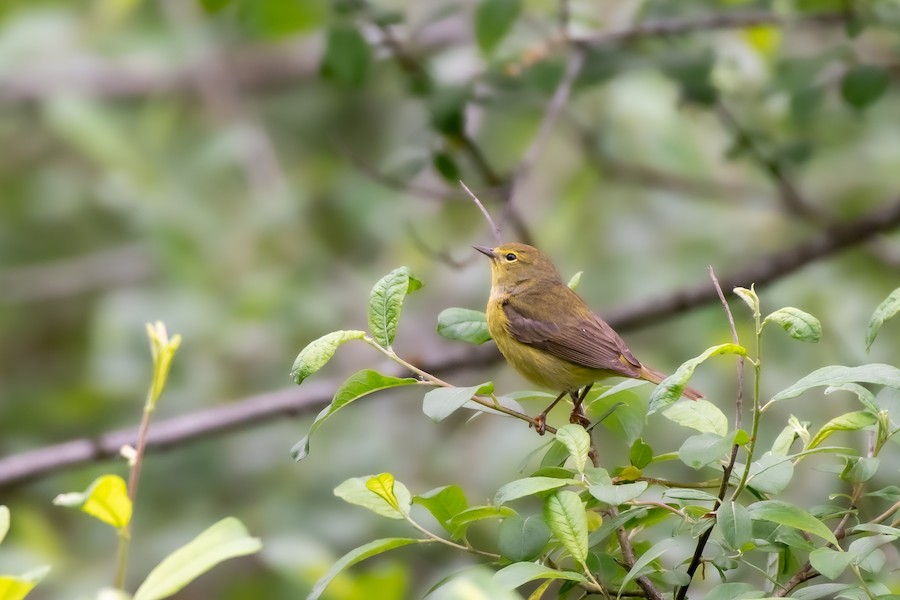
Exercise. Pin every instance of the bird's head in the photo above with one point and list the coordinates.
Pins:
(513, 264)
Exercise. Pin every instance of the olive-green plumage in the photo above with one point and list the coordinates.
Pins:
(547, 332)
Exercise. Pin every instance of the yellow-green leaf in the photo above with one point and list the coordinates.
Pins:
(565, 514)
(577, 441)
(798, 324)
(670, 389)
(16, 588)
(106, 499)
(383, 486)
(850, 421)
(385, 302)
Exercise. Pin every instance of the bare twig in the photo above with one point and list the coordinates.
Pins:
(766, 269)
(628, 559)
(494, 229)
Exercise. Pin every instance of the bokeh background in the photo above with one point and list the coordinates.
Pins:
(244, 170)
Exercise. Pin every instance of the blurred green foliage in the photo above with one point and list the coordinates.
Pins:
(244, 169)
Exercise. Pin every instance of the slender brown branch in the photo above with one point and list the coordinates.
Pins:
(256, 409)
(766, 269)
(628, 560)
(494, 229)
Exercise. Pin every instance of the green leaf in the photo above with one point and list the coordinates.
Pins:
(443, 503)
(393, 505)
(520, 573)
(689, 494)
(850, 421)
(782, 444)
(577, 441)
(463, 324)
(641, 454)
(862, 85)
(702, 415)
(447, 107)
(671, 388)
(479, 513)
(729, 591)
(890, 493)
(16, 588)
(529, 486)
(783, 513)
(348, 57)
(385, 302)
(734, 522)
(575, 280)
(860, 468)
(440, 403)
(4, 522)
(823, 590)
(522, 538)
(877, 528)
(771, 474)
(885, 311)
(830, 563)
(835, 375)
(106, 499)
(700, 450)
(564, 513)
(867, 553)
(226, 539)
(357, 555)
(617, 494)
(493, 20)
(446, 166)
(646, 558)
(361, 383)
(319, 352)
(798, 324)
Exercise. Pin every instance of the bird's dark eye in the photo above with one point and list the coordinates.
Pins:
(510, 257)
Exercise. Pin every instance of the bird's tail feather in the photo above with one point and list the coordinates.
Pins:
(654, 376)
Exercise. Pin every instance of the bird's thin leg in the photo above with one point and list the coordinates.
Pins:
(540, 421)
(578, 415)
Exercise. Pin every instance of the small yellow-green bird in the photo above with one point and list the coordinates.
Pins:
(549, 335)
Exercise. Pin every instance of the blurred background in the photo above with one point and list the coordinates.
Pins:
(245, 170)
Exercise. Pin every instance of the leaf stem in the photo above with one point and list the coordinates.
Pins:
(446, 542)
(486, 402)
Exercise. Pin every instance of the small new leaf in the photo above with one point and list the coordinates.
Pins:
(106, 499)
(4, 522)
(385, 302)
(798, 324)
(885, 311)
(575, 280)
(463, 324)
(383, 486)
(749, 297)
(317, 353)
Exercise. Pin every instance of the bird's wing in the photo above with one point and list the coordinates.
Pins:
(583, 340)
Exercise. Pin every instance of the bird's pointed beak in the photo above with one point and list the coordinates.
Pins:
(489, 252)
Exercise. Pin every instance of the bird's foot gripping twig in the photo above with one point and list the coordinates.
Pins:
(540, 421)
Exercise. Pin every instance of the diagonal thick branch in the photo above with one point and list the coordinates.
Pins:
(258, 409)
